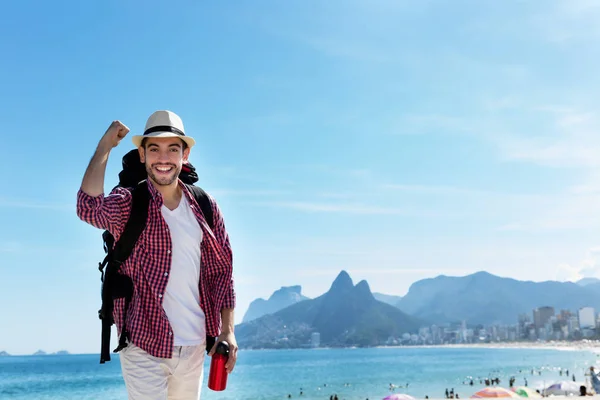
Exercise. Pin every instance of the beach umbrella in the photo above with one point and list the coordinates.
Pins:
(494, 392)
(524, 391)
(398, 396)
(563, 388)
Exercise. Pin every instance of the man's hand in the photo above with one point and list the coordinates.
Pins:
(113, 135)
(229, 337)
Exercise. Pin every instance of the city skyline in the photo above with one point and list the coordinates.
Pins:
(526, 329)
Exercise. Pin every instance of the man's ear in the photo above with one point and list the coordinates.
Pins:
(142, 154)
(186, 154)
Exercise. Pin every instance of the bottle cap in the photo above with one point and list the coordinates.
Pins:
(222, 348)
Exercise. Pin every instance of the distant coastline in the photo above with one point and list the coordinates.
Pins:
(583, 345)
(37, 353)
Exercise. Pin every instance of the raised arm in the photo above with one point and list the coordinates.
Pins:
(93, 180)
(108, 212)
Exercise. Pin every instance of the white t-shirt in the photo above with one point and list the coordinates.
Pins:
(181, 300)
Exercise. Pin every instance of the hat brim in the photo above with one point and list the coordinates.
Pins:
(137, 139)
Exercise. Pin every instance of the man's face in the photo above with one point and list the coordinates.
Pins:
(163, 158)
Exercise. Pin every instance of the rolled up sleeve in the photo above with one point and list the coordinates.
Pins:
(229, 300)
(105, 212)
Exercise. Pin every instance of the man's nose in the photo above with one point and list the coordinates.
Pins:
(163, 155)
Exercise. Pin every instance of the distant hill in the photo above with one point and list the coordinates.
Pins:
(40, 353)
(280, 299)
(387, 298)
(4, 354)
(588, 281)
(345, 315)
(485, 298)
(62, 353)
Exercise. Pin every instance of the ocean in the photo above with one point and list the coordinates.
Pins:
(352, 374)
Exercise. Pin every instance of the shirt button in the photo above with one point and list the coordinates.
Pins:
(168, 251)
(170, 333)
(166, 273)
(160, 296)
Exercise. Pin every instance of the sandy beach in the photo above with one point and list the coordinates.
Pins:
(583, 345)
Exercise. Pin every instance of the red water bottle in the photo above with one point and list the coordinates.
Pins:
(217, 378)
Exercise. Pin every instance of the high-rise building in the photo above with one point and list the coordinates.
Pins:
(564, 315)
(541, 316)
(573, 325)
(315, 339)
(587, 318)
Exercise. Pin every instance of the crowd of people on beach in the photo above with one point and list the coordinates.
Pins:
(495, 380)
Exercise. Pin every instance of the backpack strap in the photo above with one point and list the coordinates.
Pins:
(140, 200)
(204, 202)
(116, 285)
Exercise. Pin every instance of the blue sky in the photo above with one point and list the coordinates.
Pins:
(396, 140)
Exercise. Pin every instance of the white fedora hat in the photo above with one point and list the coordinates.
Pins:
(161, 124)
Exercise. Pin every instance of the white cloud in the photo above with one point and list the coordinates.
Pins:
(565, 272)
(34, 204)
(436, 189)
(559, 136)
(11, 247)
(242, 192)
(348, 49)
(564, 212)
(556, 135)
(501, 103)
(335, 208)
(571, 140)
(568, 21)
(589, 267)
(360, 209)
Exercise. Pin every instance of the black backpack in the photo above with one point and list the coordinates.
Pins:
(114, 284)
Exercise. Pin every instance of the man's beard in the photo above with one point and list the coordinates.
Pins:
(163, 179)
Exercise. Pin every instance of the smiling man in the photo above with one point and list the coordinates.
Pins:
(181, 268)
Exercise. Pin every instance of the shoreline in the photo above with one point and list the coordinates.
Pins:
(584, 345)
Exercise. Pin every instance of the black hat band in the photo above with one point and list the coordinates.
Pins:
(164, 128)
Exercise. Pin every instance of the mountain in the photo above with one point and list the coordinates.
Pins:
(280, 299)
(343, 316)
(4, 354)
(387, 298)
(486, 299)
(594, 287)
(40, 353)
(588, 281)
(62, 353)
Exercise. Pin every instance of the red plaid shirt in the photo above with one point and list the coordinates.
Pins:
(150, 263)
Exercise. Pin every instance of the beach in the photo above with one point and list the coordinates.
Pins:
(583, 345)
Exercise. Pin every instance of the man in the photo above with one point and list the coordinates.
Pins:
(595, 380)
(181, 269)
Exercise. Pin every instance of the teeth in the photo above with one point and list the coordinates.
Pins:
(163, 169)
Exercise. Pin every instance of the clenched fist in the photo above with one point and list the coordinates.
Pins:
(113, 135)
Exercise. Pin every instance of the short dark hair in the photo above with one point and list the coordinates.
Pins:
(144, 140)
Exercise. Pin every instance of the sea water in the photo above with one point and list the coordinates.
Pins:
(352, 374)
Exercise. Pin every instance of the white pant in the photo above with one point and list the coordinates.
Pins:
(152, 378)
